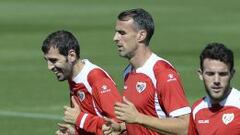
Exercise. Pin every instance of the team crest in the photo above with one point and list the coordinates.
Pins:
(227, 118)
(81, 95)
(140, 87)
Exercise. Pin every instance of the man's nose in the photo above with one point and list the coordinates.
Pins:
(216, 79)
(115, 37)
(50, 65)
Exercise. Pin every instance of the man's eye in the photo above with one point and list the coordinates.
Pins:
(53, 60)
(223, 73)
(209, 73)
(122, 32)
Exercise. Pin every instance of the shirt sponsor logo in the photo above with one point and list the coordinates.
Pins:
(203, 121)
(81, 95)
(227, 118)
(104, 89)
(171, 78)
(140, 87)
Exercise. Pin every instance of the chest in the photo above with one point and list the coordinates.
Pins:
(217, 122)
(140, 90)
(85, 98)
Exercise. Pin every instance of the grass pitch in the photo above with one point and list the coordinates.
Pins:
(31, 100)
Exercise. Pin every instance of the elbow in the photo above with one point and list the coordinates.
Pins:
(184, 127)
(183, 130)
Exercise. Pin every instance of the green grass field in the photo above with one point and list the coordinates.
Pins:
(31, 99)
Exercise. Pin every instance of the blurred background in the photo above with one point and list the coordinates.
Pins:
(32, 100)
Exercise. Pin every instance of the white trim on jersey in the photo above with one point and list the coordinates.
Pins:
(147, 68)
(233, 99)
(158, 108)
(82, 76)
(149, 64)
(83, 120)
(204, 104)
(96, 110)
(181, 111)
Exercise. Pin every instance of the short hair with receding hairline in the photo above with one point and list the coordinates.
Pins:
(142, 20)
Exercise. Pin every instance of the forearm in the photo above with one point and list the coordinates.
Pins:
(89, 122)
(176, 126)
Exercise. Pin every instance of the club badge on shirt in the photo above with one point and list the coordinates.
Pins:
(140, 87)
(227, 118)
(81, 95)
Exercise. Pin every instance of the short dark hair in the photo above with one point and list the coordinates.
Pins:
(63, 41)
(217, 51)
(142, 20)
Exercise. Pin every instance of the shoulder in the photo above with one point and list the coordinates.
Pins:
(199, 105)
(165, 72)
(198, 102)
(96, 74)
(233, 99)
(161, 66)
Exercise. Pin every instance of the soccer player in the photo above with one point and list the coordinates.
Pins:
(218, 113)
(92, 91)
(154, 100)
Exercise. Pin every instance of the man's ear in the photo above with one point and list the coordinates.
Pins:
(200, 74)
(72, 57)
(232, 73)
(141, 36)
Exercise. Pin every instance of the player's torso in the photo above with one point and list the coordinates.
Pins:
(218, 122)
(85, 99)
(140, 90)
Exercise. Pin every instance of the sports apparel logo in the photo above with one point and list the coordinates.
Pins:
(203, 121)
(171, 78)
(140, 87)
(124, 87)
(227, 118)
(81, 95)
(104, 89)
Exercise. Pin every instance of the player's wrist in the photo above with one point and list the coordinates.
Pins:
(122, 127)
(139, 118)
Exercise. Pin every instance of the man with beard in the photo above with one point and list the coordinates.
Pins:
(218, 113)
(92, 91)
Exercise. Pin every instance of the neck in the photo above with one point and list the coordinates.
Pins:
(77, 68)
(141, 56)
(224, 97)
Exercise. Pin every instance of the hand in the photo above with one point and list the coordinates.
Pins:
(71, 114)
(111, 127)
(65, 129)
(126, 111)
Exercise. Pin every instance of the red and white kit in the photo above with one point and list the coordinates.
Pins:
(221, 119)
(156, 90)
(96, 94)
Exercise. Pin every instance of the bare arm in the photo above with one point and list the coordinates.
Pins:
(177, 125)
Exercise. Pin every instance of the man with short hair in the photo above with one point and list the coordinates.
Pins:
(218, 113)
(92, 91)
(154, 100)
